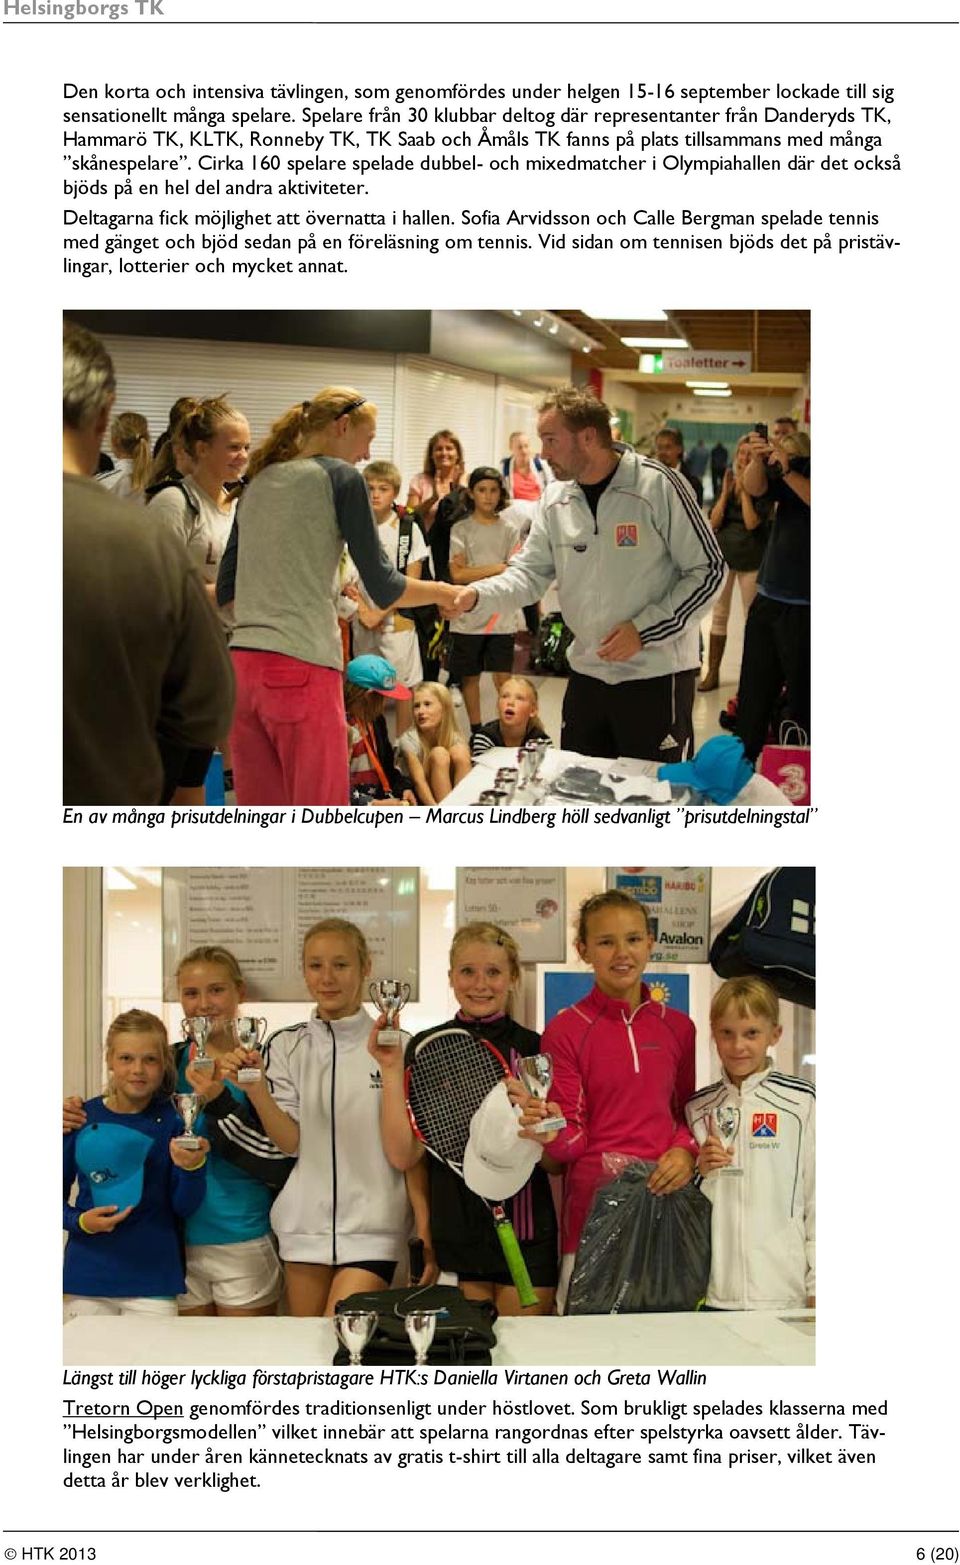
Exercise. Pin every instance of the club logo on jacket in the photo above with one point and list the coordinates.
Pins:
(764, 1125)
(626, 537)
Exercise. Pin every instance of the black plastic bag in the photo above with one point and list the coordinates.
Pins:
(640, 1252)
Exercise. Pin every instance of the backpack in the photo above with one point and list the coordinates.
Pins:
(174, 483)
(773, 936)
(464, 1334)
(553, 639)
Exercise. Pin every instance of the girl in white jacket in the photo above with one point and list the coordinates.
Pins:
(756, 1132)
(343, 1217)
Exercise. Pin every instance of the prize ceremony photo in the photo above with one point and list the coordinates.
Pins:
(396, 558)
(505, 1116)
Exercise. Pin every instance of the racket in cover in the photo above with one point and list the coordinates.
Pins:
(449, 1075)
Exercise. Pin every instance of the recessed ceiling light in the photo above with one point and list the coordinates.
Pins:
(655, 342)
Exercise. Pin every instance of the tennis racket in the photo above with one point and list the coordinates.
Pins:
(445, 1083)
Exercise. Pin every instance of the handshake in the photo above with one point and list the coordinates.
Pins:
(455, 601)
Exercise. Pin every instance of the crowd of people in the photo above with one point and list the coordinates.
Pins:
(307, 1181)
(334, 597)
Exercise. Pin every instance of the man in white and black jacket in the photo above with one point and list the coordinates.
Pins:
(636, 566)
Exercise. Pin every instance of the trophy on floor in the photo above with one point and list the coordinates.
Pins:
(197, 1030)
(188, 1107)
(389, 995)
(726, 1123)
(536, 1073)
(249, 1031)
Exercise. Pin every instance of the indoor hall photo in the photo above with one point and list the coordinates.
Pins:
(398, 557)
(447, 1115)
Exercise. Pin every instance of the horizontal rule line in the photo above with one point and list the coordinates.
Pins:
(213, 22)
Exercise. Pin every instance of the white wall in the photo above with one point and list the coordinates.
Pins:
(132, 959)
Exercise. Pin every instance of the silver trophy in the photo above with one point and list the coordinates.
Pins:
(249, 1032)
(536, 1073)
(421, 1325)
(355, 1328)
(508, 779)
(389, 995)
(493, 796)
(531, 758)
(726, 1123)
(188, 1107)
(197, 1030)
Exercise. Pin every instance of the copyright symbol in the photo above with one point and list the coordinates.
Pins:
(9, 1554)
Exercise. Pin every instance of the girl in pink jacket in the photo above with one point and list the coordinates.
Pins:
(624, 1068)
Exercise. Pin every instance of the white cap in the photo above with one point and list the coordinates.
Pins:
(498, 1161)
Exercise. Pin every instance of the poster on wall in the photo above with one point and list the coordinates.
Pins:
(530, 903)
(262, 915)
(559, 987)
(678, 907)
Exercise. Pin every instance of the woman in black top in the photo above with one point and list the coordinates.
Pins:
(484, 970)
(775, 673)
(742, 528)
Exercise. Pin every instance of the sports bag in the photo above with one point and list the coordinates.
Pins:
(550, 649)
(773, 936)
(464, 1334)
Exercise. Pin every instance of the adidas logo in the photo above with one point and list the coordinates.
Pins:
(376, 1079)
(669, 743)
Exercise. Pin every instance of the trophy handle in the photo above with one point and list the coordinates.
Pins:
(261, 1030)
(373, 995)
(405, 993)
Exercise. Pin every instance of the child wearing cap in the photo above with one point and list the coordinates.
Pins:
(135, 1182)
(755, 1130)
(387, 632)
(374, 775)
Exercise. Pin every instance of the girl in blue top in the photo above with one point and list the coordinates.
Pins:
(231, 1260)
(232, 1265)
(134, 1182)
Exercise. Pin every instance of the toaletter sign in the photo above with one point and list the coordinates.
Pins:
(730, 360)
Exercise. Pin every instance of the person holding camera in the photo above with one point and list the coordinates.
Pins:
(776, 642)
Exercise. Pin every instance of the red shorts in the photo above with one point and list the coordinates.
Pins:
(289, 735)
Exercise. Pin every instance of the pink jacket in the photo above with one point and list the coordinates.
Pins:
(623, 1079)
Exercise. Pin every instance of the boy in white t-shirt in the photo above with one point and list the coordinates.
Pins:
(387, 633)
(481, 543)
(756, 1133)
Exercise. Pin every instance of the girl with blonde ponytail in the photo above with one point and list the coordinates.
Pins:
(130, 444)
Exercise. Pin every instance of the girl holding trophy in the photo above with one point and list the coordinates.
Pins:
(484, 972)
(343, 1217)
(232, 1265)
(625, 1068)
(231, 1260)
(136, 1179)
